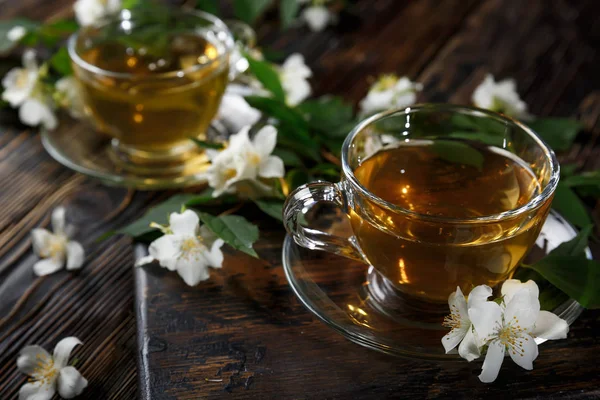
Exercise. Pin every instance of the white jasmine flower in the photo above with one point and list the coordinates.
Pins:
(35, 112)
(389, 91)
(16, 33)
(186, 248)
(50, 372)
(68, 95)
(20, 83)
(317, 17)
(461, 328)
(244, 162)
(56, 248)
(294, 74)
(513, 326)
(89, 12)
(500, 97)
(236, 113)
(22, 88)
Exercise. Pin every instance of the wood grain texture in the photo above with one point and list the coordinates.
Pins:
(203, 342)
(246, 318)
(206, 342)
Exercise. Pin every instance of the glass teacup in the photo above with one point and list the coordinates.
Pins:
(438, 196)
(151, 80)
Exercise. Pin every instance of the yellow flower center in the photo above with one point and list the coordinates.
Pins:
(254, 158)
(191, 247)
(230, 173)
(386, 82)
(44, 371)
(22, 79)
(55, 247)
(511, 335)
(452, 321)
(189, 244)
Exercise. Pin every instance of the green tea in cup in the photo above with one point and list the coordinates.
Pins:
(152, 80)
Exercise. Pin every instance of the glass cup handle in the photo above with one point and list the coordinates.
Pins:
(245, 39)
(305, 197)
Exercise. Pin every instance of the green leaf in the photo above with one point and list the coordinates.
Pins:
(208, 145)
(275, 56)
(249, 10)
(567, 170)
(568, 269)
(292, 130)
(206, 198)
(59, 27)
(52, 33)
(209, 6)
(278, 110)
(576, 276)
(328, 115)
(458, 152)
(274, 208)
(61, 62)
(5, 26)
(550, 296)
(586, 183)
(584, 179)
(105, 236)
(488, 138)
(129, 4)
(479, 129)
(268, 76)
(570, 206)
(326, 170)
(235, 230)
(559, 133)
(575, 246)
(298, 141)
(334, 145)
(288, 10)
(159, 214)
(477, 124)
(588, 191)
(296, 177)
(289, 158)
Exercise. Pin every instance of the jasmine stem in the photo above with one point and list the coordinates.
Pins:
(164, 229)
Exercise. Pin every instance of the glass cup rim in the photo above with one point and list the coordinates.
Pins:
(532, 204)
(126, 15)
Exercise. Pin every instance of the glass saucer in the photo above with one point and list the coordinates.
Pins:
(356, 301)
(78, 146)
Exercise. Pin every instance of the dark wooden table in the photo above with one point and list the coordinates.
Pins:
(549, 47)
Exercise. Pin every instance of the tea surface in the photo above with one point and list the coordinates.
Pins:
(418, 179)
(429, 259)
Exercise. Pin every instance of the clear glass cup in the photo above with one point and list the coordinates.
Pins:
(151, 80)
(420, 254)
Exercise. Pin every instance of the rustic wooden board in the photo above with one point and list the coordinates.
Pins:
(246, 319)
(244, 333)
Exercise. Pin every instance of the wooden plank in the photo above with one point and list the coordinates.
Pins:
(548, 47)
(194, 337)
(94, 304)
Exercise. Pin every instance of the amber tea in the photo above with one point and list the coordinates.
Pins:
(438, 196)
(429, 258)
(152, 100)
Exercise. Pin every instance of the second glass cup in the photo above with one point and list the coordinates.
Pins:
(152, 80)
(438, 196)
